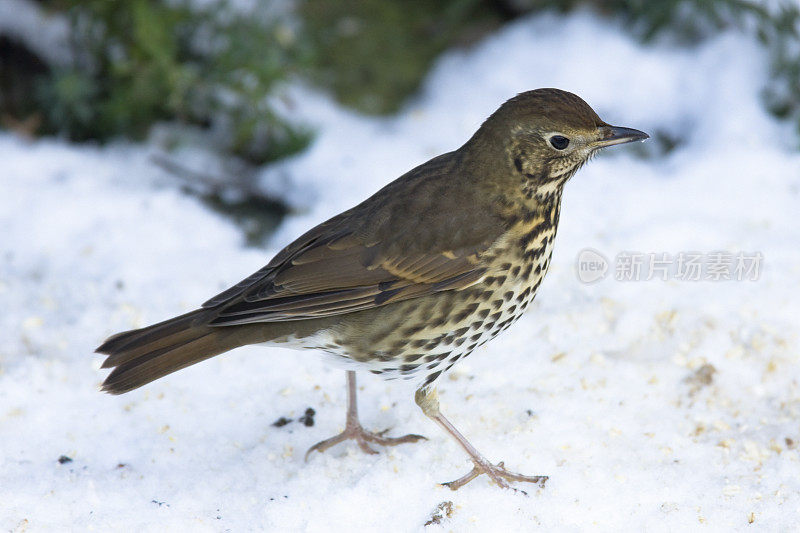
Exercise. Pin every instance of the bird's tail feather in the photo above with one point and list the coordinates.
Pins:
(143, 355)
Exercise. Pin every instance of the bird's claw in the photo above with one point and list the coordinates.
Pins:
(362, 437)
(498, 474)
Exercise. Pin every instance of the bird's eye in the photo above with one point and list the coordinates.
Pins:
(559, 142)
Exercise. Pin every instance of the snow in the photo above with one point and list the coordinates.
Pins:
(653, 404)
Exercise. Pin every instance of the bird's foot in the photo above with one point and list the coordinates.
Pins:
(362, 437)
(497, 473)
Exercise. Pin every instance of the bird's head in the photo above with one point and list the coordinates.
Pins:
(544, 136)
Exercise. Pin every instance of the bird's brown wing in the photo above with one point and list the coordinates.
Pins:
(344, 275)
(376, 253)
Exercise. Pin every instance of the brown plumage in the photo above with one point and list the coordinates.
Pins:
(412, 279)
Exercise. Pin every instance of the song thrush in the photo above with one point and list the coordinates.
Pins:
(411, 280)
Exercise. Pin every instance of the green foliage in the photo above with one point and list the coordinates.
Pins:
(373, 53)
(142, 61)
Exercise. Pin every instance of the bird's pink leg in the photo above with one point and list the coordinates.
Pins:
(428, 401)
(354, 431)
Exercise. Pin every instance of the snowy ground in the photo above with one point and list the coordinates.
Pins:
(665, 405)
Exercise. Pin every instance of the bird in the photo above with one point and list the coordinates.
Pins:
(411, 280)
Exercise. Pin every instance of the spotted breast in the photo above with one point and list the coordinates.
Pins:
(421, 338)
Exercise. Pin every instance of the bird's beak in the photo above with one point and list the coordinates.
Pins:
(611, 135)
